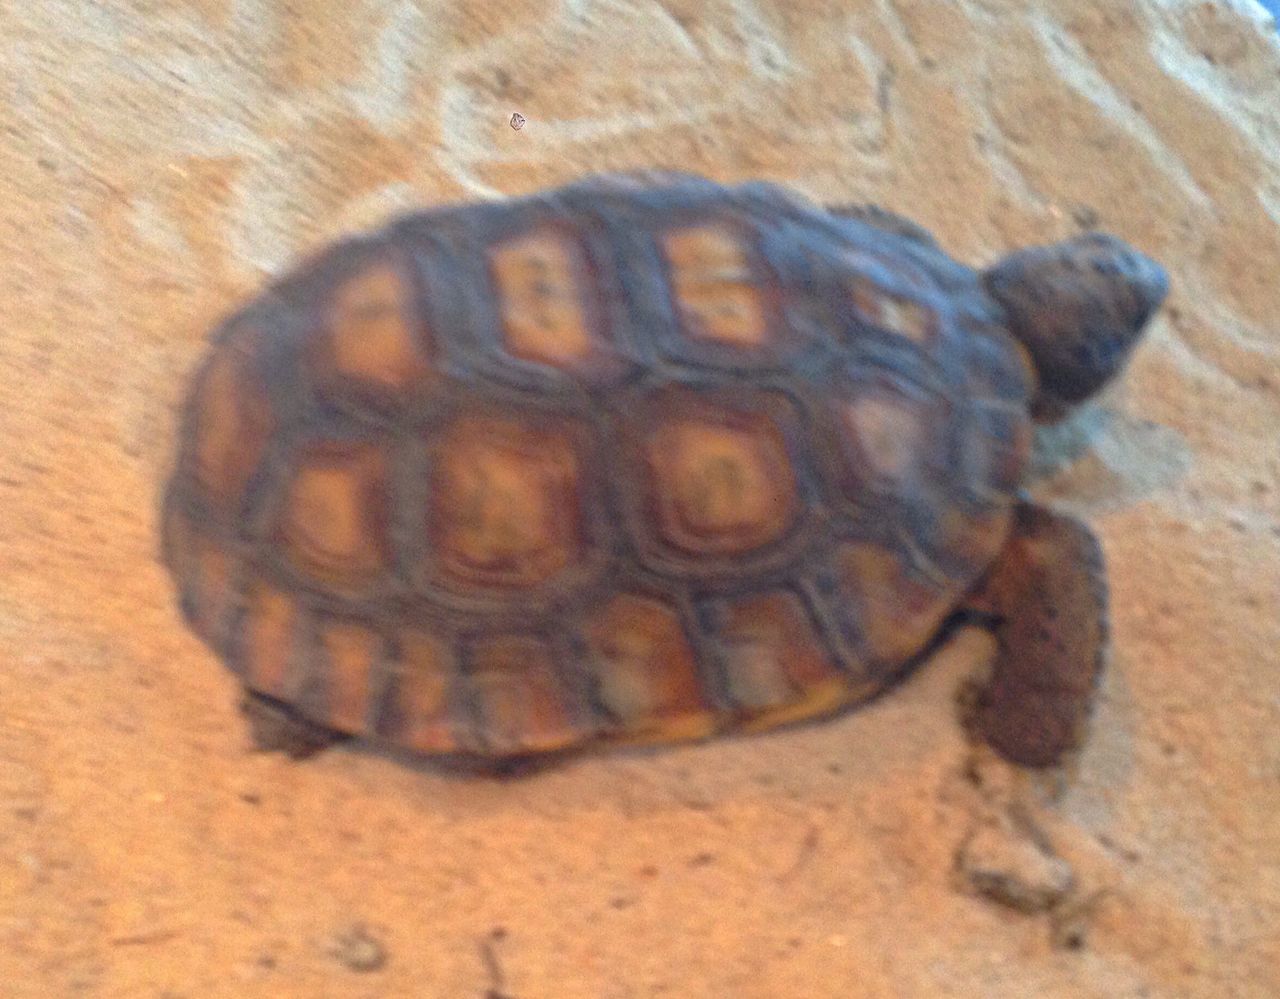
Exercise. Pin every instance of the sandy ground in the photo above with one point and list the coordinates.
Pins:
(158, 160)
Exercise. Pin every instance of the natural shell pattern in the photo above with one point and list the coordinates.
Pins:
(628, 461)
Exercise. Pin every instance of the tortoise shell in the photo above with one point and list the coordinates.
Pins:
(627, 461)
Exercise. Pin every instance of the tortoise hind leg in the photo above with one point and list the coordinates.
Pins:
(1046, 598)
(276, 727)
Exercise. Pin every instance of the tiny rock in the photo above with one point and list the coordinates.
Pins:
(1014, 868)
(357, 949)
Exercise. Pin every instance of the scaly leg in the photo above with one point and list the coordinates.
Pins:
(1046, 600)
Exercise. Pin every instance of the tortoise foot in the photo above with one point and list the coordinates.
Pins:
(1047, 599)
(275, 727)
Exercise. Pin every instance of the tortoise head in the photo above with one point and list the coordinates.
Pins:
(1078, 307)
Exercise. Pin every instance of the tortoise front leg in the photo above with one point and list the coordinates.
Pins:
(1046, 601)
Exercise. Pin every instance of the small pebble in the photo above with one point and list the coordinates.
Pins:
(355, 948)
(1070, 922)
(1014, 870)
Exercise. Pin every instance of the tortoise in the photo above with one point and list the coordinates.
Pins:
(644, 459)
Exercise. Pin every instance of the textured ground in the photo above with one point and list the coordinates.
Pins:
(157, 160)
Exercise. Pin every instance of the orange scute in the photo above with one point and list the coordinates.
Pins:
(271, 625)
(332, 517)
(646, 670)
(722, 482)
(206, 572)
(895, 313)
(970, 540)
(522, 707)
(370, 328)
(540, 286)
(351, 650)
(778, 669)
(233, 421)
(504, 505)
(421, 717)
(213, 589)
(887, 431)
(897, 611)
(713, 286)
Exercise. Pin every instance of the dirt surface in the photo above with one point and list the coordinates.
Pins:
(159, 160)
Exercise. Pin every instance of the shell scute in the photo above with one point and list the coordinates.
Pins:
(233, 421)
(333, 524)
(892, 312)
(718, 293)
(372, 343)
(522, 704)
(505, 502)
(344, 689)
(718, 477)
(419, 703)
(889, 442)
(541, 280)
(778, 666)
(208, 575)
(269, 635)
(721, 481)
(894, 607)
(645, 670)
